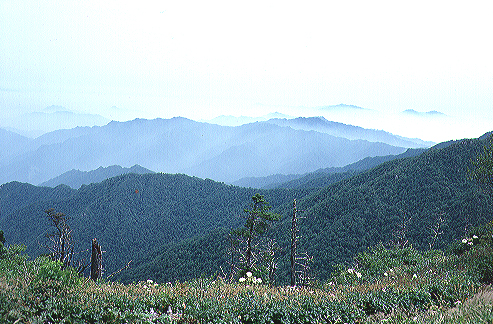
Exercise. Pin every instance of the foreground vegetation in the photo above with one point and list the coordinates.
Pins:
(385, 284)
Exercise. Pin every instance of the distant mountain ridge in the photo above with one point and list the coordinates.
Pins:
(162, 221)
(50, 119)
(228, 120)
(349, 216)
(342, 106)
(11, 144)
(432, 113)
(320, 124)
(180, 145)
(322, 177)
(77, 178)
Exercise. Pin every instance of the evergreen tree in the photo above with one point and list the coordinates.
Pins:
(256, 253)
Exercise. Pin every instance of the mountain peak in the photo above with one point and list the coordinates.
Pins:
(342, 106)
(76, 178)
(431, 113)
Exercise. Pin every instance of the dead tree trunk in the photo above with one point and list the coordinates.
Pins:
(294, 237)
(303, 275)
(96, 261)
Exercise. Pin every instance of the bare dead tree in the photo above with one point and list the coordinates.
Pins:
(300, 264)
(61, 245)
(294, 239)
(304, 274)
(267, 259)
(400, 235)
(436, 230)
(96, 261)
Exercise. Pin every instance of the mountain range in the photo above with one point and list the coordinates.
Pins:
(322, 125)
(76, 178)
(35, 124)
(399, 202)
(322, 177)
(174, 227)
(180, 145)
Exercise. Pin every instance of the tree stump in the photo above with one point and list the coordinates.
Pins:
(96, 261)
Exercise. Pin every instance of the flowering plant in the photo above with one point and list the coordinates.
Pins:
(250, 279)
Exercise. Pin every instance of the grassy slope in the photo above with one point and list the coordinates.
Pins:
(398, 285)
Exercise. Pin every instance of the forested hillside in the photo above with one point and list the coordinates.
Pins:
(408, 197)
(321, 177)
(130, 215)
(174, 226)
(398, 201)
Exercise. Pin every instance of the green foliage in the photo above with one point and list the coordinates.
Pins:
(349, 216)
(160, 225)
(52, 271)
(42, 292)
(188, 259)
(482, 168)
(130, 215)
(253, 255)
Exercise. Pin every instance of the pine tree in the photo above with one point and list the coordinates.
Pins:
(256, 253)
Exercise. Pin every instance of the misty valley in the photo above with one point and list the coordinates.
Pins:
(299, 220)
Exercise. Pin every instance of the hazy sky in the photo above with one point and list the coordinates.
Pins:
(201, 59)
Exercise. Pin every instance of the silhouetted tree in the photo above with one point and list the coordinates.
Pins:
(61, 245)
(255, 254)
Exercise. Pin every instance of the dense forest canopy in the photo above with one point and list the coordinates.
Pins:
(130, 215)
(174, 227)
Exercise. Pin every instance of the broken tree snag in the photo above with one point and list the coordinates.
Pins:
(96, 260)
(294, 239)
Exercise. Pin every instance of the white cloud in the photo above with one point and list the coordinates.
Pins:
(205, 58)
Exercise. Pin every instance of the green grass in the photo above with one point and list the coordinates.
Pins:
(383, 285)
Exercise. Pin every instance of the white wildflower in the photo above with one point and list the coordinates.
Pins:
(248, 274)
(415, 276)
(149, 281)
(464, 241)
(350, 270)
(470, 243)
(385, 274)
(474, 237)
(358, 274)
(259, 281)
(242, 279)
